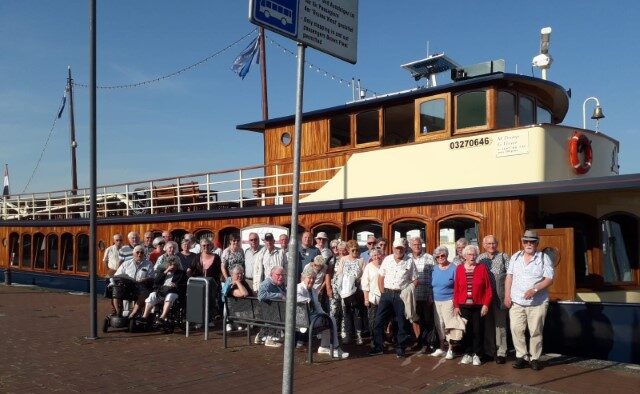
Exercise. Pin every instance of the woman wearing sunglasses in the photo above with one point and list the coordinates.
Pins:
(442, 280)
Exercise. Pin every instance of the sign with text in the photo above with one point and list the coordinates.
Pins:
(330, 26)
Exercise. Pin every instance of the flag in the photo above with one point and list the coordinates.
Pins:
(243, 62)
(64, 101)
(5, 191)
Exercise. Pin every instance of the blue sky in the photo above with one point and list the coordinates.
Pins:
(186, 124)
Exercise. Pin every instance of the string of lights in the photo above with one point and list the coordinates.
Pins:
(175, 73)
(325, 73)
(46, 143)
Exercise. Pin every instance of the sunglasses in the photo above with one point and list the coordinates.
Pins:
(441, 256)
(139, 252)
(529, 242)
(370, 243)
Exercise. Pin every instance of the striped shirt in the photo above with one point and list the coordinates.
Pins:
(424, 267)
(469, 275)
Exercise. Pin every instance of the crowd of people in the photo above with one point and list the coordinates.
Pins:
(410, 299)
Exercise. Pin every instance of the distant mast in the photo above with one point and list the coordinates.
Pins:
(263, 74)
(72, 133)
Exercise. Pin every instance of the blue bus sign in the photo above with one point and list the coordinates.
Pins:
(330, 26)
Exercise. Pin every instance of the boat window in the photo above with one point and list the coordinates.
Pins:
(339, 131)
(367, 127)
(83, 253)
(52, 252)
(432, 116)
(38, 250)
(399, 124)
(26, 251)
(471, 109)
(177, 235)
(506, 110)
(66, 241)
(203, 234)
(361, 230)
(225, 234)
(452, 229)
(543, 115)
(409, 229)
(14, 248)
(333, 232)
(619, 237)
(526, 110)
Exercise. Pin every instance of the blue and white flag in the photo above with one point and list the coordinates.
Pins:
(243, 62)
(64, 101)
(5, 190)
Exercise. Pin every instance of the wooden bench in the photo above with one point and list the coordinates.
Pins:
(165, 198)
(250, 311)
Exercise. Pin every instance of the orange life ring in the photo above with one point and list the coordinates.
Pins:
(579, 143)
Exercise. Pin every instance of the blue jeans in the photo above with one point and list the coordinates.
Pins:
(391, 306)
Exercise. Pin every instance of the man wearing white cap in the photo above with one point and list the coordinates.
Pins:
(322, 244)
(396, 273)
(529, 275)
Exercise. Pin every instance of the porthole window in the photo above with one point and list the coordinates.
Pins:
(285, 138)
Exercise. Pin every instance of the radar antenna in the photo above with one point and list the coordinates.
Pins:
(543, 60)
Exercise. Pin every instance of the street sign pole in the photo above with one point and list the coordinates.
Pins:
(292, 268)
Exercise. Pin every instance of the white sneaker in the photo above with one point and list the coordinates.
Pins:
(437, 353)
(338, 353)
(476, 360)
(323, 350)
(240, 328)
(299, 344)
(466, 359)
(229, 327)
(258, 340)
(271, 343)
(449, 355)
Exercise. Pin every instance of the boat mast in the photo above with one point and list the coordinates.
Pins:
(72, 132)
(263, 74)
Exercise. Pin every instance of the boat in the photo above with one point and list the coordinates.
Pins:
(484, 153)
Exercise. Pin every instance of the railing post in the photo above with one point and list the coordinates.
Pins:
(18, 207)
(33, 207)
(49, 204)
(277, 196)
(151, 197)
(104, 201)
(240, 174)
(85, 200)
(126, 199)
(179, 203)
(208, 191)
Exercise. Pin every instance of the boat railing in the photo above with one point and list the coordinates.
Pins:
(228, 189)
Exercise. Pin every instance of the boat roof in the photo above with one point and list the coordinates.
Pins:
(553, 95)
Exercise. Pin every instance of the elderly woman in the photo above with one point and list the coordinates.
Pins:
(322, 283)
(169, 285)
(348, 272)
(335, 302)
(471, 299)
(236, 286)
(170, 249)
(186, 256)
(208, 264)
(306, 293)
(442, 279)
(232, 255)
(370, 286)
(158, 244)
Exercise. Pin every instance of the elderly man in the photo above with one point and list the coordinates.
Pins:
(322, 244)
(529, 275)
(495, 323)
(382, 245)
(265, 261)
(272, 288)
(194, 247)
(111, 255)
(396, 273)
(371, 244)
(307, 293)
(307, 251)
(423, 293)
(167, 236)
(461, 243)
(250, 255)
(141, 272)
(126, 252)
(147, 242)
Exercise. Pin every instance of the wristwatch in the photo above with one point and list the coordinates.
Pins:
(535, 290)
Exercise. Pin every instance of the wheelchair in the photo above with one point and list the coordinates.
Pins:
(175, 318)
(122, 288)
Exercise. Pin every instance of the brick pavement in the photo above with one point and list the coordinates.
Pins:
(43, 348)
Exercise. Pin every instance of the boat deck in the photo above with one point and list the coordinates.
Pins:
(44, 349)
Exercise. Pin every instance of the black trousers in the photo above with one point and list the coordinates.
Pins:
(474, 331)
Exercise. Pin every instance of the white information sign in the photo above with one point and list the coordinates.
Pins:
(330, 26)
(511, 145)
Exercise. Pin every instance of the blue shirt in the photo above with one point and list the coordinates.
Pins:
(526, 276)
(442, 282)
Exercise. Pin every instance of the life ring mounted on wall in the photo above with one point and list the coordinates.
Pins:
(580, 144)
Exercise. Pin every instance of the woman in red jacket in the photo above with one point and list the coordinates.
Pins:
(471, 299)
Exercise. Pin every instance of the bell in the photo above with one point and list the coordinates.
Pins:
(597, 113)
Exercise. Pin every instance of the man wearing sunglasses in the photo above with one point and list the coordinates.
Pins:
(371, 244)
(529, 275)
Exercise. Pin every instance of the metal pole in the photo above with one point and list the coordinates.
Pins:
(93, 309)
(72, 131)
(263, 74)
(292, 268)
